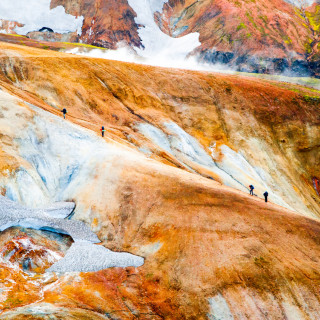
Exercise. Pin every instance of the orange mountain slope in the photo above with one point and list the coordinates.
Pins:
(273, 126)
(211, 251)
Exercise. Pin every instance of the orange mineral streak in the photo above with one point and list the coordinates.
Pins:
(316, 183)
(8, 164)
(199, 238)
(24, 257)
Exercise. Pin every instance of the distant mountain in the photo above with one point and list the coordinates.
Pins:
(269, 36)
(260, 36)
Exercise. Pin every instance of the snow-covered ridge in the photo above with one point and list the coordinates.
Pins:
(159, 49)
(35, 14)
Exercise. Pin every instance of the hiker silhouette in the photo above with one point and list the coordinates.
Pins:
(64, 111)
(102, 131)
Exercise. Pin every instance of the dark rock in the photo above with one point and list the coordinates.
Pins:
(255, 64)
(213, 56)
(46, 29)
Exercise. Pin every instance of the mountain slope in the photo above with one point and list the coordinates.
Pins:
(167, 183)
(206, 246)
(260, 36)
(233, 129)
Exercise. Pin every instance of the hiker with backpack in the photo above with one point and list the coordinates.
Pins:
(251, 189)
(102, 131)
(64, 111)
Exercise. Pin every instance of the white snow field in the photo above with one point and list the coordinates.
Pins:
(35, 14)
(157, 44)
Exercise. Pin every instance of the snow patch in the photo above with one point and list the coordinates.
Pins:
(182, 142)
(157, 5)
(219, 309)
(35, 14)
(156, 43)
(301, 3)
(13, 214)
(60, 210)
(57, 161)
(84, 256)
(157, 136)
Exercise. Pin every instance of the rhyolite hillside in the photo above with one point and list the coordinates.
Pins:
(168, 183)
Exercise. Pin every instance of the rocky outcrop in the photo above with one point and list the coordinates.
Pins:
(53, 36)
(256, 64)
(106, 23)
(9, 26)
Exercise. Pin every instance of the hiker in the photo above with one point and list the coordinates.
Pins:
(102, 131)
(64, 111)
(251, 189)
(266, 196)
